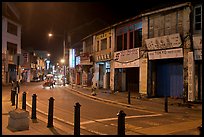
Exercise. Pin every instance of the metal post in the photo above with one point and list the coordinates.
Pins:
(24, 101)
(34, 107)
(16, 100)
(64, 75)
(166, 104)
(50, 112)
(13, 93)
(200, 128)
(121, 123)
(77, 119)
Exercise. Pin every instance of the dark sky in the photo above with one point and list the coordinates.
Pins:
(39, 18)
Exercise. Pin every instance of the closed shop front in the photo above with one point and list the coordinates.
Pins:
(169, 78)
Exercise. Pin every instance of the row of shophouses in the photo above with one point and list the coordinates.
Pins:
(156, 53)
(18, 64)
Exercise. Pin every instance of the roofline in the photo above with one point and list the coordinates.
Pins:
(138, 16)
(168, 8)
(111, 26)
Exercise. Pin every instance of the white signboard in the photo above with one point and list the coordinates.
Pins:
(165, 54)
(198, 54)
(197, 42)
(191, 94)
(127, 65)
(126, 55)
(164, 42)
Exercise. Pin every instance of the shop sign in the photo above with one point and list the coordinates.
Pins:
(126, 55)
(164, 42)
(103, 57)
(198, 54)
(165, 54)
(103, 35)
(191, 94)
(127, 65)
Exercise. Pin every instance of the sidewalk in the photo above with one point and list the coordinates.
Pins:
(36, 127)
(137, 101)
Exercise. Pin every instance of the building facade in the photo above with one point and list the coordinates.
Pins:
(11, 43)
(167, 33)
(157, 53)
(103, 49)
(195, 78)
(130, 65)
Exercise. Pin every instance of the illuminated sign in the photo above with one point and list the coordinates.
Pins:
(71, 58)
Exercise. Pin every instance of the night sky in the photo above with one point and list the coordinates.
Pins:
(39, 18)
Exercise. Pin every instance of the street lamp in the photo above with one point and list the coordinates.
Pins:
(63, 62)
(64, 40)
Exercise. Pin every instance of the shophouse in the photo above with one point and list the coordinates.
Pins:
(86, 61)
(103, 48)
(130, 65)
(78, 68)
(195, 78)
(11, 43)
(167, 37)
(25, 66)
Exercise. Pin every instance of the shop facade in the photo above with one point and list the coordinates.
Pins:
(103, 52)
(167, 40)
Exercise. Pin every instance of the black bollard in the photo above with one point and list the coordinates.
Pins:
(77, 119)
(200, 128)
(33, 116)
(16, 100)
(121, 123)
(13, 94)
(166, 104)
(24, 101)
(50, 112)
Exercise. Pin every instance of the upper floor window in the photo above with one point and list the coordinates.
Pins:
(12, 48)
(104, 44)
(198, 18)
(97, 46)
(11, 28)
(119, 42)
(109, 42)
(138, 38)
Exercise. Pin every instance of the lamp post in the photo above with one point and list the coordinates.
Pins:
(66, 44)
(64, 41)
(63, 62)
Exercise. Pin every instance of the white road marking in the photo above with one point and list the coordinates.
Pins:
(115, 118)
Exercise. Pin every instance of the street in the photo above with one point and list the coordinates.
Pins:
(98, 117)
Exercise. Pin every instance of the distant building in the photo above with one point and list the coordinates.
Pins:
(11, 43)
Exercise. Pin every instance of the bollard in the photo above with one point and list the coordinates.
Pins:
(77, 119)
(166, 104)
(121, 123)
(24, 101)
(13, 94)
(16, 100)
(200, 128)
(50, 112)
(34, 107)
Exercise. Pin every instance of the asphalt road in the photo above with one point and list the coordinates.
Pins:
(98, 117)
